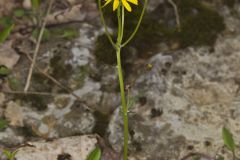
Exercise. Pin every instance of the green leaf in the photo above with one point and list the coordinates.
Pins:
(35, 4)
(6, 21)
(220, 158)
(10, 155)
(95, 154)
(19, 13)
(70, 33)
(65, 32)
(4, 71)
(45, 37)
(130, 102)
(228, 139)
(5, 33)
(3, 124)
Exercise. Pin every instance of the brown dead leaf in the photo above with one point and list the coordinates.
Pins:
(84, 11)
(67, 15)
(8, 55)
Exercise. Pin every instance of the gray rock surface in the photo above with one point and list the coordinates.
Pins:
(185, 100)
(54, 122)
(74, 148)
(187, 106)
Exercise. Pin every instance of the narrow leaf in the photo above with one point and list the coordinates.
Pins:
(3, 124)
(35, 4)
(228, 139)
(95, 154)
(70, 33)
(5, 33)
(10, 155)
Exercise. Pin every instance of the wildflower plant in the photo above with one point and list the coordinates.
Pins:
(119, 6)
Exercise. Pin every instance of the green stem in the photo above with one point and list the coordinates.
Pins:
(118, 45)
(138, 25)
(121, 81)
(124, 105)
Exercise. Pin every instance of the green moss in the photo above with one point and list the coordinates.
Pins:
(101, 123)
(150, 33)
(60, 70)
(27, 132)
(104, 51)
(37, 101)
(187, 7)
(80, 75)
(200, 25)
(201, 29)
(39, 78)
(229, 3)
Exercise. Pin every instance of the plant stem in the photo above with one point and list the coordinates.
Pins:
(121, 81)
(124, 105)
(119, 44)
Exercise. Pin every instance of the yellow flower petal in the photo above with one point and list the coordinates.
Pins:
(107, 2)
(115, 4)
(133, 1)
(126, 5)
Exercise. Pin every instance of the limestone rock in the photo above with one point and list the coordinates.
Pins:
(185, 106)
(8, 55)
(14, 114)
(75, 148)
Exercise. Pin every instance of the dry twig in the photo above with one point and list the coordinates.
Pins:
(28, 83)
(29, 93)
(176, 14)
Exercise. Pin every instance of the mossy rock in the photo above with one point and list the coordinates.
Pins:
(39, 102)
(60, 70)
(79, 76)
(104, 51)
(229, 3)
(200, 25)
(201, 29)
(41, 83)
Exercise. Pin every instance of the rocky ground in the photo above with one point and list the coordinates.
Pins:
(184, 85)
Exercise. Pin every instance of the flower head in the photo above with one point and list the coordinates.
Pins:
(125, 3)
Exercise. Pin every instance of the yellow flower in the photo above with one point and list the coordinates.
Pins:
(124, 2)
